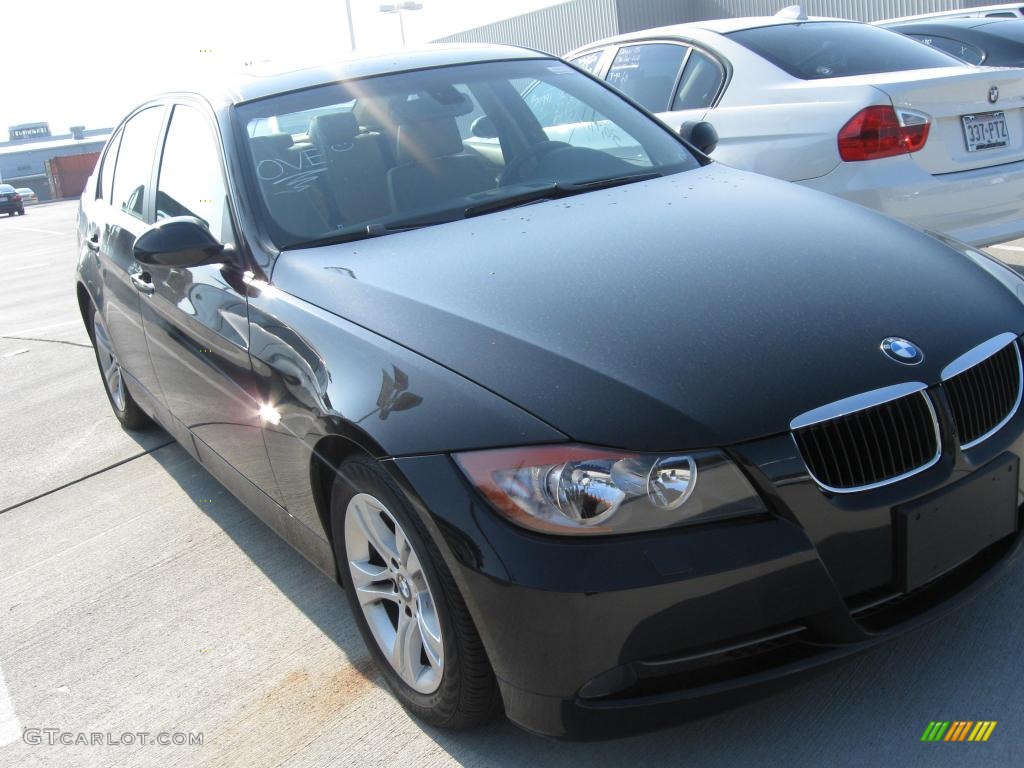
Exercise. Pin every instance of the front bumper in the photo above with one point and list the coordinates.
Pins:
(605, 637)
(979, 207)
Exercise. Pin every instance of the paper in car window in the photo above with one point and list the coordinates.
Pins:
(559, 69)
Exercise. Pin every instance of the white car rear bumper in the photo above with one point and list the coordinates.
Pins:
(979, 207)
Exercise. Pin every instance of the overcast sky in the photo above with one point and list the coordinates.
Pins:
(75, 62)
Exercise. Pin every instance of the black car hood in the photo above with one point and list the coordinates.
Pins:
(704, 308)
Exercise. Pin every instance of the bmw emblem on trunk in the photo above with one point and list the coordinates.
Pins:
(902, 351)
(993, 94)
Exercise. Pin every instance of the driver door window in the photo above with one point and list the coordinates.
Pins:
(190, 181)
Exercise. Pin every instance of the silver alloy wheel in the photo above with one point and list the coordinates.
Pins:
(111, 369)
(393, 593)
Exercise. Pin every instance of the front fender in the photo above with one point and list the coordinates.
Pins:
(321, 376)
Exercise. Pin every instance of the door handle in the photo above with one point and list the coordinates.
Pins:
(143, 282)
(92, 242)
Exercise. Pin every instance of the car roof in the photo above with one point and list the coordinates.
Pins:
(694, 29)
(263, 81)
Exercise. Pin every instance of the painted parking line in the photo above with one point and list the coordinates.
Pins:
(10, 728)
(25, 267)
(41, 231)
(40, 328)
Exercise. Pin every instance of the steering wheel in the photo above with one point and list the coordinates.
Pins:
(513, 172)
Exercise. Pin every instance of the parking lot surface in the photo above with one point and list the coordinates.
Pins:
(136, 595)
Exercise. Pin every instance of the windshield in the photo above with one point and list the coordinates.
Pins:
(819, 50)
(390, 152)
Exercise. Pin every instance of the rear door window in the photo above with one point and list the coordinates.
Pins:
(589, 61)
(107, 169)
(135, 161)
(702, 79)
(824, 49)
(647, 73)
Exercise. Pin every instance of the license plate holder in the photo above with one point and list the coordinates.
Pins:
(941, 531)
(987, 130)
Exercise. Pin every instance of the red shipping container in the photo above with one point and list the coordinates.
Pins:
(69, 173)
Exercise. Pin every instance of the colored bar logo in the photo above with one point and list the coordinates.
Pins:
(958, 730)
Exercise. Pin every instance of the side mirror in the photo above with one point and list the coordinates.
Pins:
(179, 241)
(483, 128)
(701, 134)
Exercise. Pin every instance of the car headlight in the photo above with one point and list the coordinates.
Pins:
(576, 489)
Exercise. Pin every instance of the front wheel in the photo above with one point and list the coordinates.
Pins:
(406, 602)
(123, 404)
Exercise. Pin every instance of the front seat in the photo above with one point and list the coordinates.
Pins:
(290, 180)
(356, 175)
(432, 165)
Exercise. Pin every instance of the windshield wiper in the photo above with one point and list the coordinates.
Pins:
(554, 191)
(368, 231)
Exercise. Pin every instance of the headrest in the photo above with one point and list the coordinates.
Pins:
(419, 142)
(271, 145)
(335, 128)
(372, 111)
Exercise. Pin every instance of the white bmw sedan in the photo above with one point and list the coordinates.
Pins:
(839, 106)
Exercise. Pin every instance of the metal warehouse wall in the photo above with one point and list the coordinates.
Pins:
(557, 29)
(569, 25)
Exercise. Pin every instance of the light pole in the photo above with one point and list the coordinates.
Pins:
(351, 29)
(399, 8)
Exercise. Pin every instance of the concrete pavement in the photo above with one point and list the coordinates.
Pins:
(137, 595)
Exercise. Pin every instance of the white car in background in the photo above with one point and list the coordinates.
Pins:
(1000, 11)
(27, 195)
(840, 106)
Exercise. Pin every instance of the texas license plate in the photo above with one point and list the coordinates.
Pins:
(985, 131)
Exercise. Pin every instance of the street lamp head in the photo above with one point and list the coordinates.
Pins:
(398, 7)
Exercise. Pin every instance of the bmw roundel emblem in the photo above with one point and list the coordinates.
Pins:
(902, 351)
(993, 94)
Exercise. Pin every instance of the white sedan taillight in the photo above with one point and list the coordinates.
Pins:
(881, 131)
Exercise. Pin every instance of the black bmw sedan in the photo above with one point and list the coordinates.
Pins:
(592, 430)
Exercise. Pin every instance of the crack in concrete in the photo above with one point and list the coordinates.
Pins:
(85, 477)
(48, 341)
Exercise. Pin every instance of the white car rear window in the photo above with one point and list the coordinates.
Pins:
(819, 50)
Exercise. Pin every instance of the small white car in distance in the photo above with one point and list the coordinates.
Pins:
(1002, 10)
(27, 195)
(840, 106)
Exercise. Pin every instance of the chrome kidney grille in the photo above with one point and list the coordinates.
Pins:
(985, 396)
(873, 446)
(881, 437)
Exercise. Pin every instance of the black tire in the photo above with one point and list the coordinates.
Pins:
(468, 693)
(130, 415)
